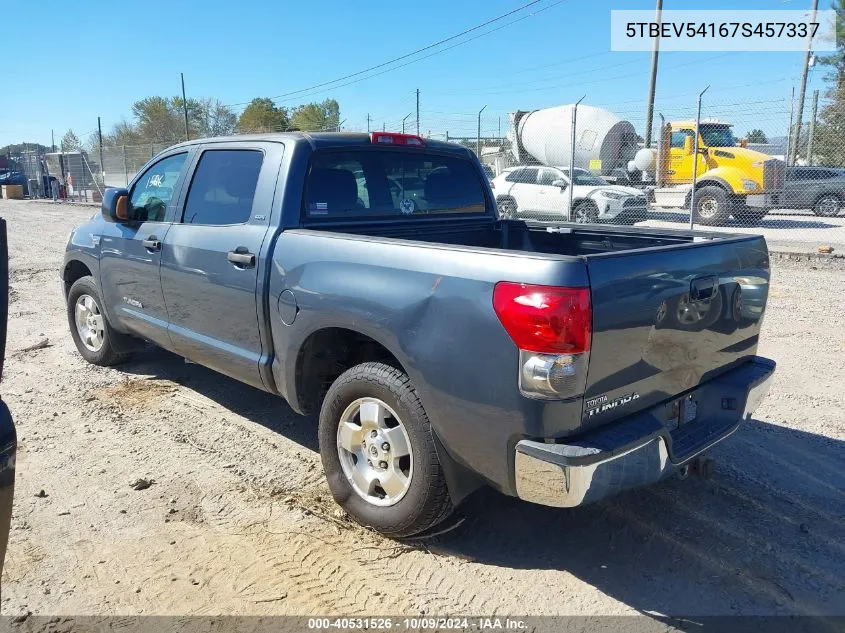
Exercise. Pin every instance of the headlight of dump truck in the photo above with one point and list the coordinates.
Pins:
(750, 185)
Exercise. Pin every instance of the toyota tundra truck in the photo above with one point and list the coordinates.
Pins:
(367, 278)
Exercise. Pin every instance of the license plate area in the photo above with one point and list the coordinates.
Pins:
(680, 412)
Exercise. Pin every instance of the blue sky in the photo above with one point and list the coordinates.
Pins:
(237, 51)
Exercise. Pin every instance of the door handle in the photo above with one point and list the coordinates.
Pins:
(241, 257)
(152, 243)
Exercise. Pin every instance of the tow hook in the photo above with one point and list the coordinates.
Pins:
(703, 467)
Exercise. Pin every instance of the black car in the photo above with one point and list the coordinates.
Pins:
(821, 189)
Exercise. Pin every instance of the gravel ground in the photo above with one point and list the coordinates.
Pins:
(238, 521)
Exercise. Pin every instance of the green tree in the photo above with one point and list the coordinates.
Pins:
(829, 148)
(316, 116)
(70, 142)
(262, 115)
(757, 136)
(219, 119)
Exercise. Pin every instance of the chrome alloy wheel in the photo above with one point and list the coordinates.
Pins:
(89, 322)
(375, 452)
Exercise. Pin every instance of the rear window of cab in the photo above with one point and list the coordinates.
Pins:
(383, 183)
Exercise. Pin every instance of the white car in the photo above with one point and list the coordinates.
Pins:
(540, 193)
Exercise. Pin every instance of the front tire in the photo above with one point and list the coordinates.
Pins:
(712, 206)
(94, 337)
(378, 453)
(586, 212)
(828, 206)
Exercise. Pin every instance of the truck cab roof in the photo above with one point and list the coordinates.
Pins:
(320, 140)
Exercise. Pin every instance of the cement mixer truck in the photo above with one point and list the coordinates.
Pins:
(733, 181)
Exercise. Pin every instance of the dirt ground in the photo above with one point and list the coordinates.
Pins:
(239, 521)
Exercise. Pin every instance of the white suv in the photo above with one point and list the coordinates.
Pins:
(540, 193)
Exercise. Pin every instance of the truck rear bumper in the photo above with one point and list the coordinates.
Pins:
(642, 449)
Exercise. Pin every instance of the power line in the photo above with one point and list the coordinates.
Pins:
(443, 50)
(406, 55)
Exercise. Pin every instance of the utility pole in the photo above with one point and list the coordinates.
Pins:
(655, 52)
(478, 138)
(418, 111)
(52, 141)
(185, 108)
(368, 122)
(100, 138)
(695, 159)
(812, 128)
(500, 126)
(405, 119)
(802, 91)
(789, 130)
(572, 157)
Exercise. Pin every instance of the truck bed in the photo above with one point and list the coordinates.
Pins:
(670, 309)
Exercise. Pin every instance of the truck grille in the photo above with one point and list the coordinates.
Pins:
(773, 175)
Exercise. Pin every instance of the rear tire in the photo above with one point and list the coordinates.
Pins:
(97, 341)
(372, 412)
(712, 206)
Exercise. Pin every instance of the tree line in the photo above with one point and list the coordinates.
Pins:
(161, 121)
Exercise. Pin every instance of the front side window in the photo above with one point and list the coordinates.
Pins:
(153, 191)
(548, 177)
(717, 136)
(223, 187)
(391, 182)
(678, 138)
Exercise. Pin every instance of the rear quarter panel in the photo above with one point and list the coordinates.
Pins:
(431, 307)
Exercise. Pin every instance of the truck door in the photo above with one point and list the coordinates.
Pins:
(551, 199)
(212, 255)
(524, 189)
(680, 161)
(130, 254)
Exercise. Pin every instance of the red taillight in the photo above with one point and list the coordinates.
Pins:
(394, 138)
(545, 319)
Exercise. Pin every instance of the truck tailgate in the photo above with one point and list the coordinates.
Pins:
(668, 319)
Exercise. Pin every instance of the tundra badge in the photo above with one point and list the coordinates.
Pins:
(601, 404)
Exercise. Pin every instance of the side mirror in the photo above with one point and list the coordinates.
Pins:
(115, 205)
(560, 183)
(688, 144)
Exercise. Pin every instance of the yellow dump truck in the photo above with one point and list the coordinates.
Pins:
(732, 180)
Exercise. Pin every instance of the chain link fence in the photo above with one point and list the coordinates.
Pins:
(751, 167)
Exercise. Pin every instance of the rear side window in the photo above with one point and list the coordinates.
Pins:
(223, 187)
(391, 182)
(514, 176)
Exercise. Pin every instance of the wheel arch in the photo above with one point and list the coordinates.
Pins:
(325, 354)
(73, 270)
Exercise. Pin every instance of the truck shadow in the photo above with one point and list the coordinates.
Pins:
(253, 404)
(778, 221)
(765, 535)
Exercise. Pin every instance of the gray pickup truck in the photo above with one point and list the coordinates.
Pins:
(369, 277)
